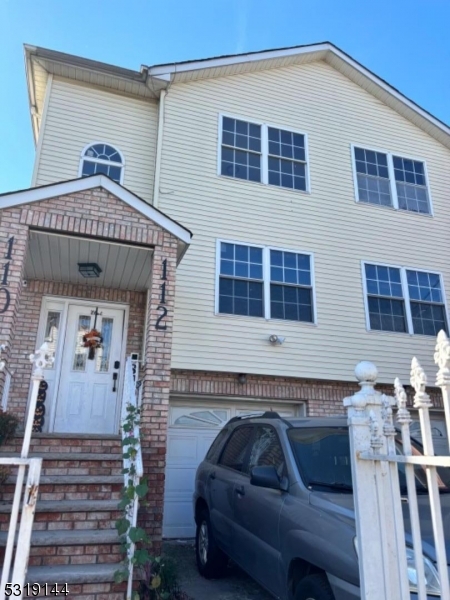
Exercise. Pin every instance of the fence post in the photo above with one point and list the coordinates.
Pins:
(378, 512)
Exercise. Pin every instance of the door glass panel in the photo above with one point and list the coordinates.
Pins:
(52, 332)
(103, 353)
(81, 353)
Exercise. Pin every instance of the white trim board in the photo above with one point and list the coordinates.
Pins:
(82, 184)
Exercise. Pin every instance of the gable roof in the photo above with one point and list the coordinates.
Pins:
(283, 57)
(47, 192)
(150, 80)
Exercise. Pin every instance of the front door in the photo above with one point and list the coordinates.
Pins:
(87, 396)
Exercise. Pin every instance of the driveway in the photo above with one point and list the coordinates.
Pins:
(236, 585)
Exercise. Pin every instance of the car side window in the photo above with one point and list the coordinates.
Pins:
(235, 451)
(217, 445)
(266, 450)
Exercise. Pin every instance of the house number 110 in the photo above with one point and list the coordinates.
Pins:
(4, 283)
(162, 298)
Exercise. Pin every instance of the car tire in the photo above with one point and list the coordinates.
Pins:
(314, 587)
(211, 561)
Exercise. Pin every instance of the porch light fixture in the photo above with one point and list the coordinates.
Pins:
(89, 270)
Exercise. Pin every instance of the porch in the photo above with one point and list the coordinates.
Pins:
(52, 237)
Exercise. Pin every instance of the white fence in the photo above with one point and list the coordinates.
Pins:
(390, 568)
(28, 496)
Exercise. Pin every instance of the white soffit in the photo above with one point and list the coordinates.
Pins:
(53, 257)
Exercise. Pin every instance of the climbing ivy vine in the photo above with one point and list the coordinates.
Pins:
(130, 535)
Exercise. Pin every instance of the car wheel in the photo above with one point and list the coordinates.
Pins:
(314, 587)
(211, 561)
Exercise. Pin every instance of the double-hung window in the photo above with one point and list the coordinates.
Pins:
(259, 281)
(391, 180)
(404, 300)
(263, 153)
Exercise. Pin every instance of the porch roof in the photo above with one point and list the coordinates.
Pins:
(46, 192)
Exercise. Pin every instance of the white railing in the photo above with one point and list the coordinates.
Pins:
(40, 361)
(388, 568)
(133, 466)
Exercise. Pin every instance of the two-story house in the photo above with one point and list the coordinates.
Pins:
(249, 227)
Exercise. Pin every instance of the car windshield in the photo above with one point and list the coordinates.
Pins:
(323, 458)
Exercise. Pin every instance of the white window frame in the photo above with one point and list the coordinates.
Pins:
(264, 152)
(266, 282)
(392, 182)
(102, 161)
(406, 298)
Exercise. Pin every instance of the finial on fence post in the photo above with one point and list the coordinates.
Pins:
(419, 383)
(366, 373)
(403, 416)
(41, 359)
(442, 359)
(2, 362)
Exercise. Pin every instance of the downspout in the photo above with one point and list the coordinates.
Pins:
(159, 142)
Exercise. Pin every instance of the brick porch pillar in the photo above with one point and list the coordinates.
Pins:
(12, 265)
(155, 397)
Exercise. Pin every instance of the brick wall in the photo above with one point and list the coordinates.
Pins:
(29, 310)
(323, 398)
(98, 214)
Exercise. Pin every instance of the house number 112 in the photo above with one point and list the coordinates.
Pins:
(162, 299)
(4, 282)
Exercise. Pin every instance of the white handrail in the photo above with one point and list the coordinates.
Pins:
(131, 400)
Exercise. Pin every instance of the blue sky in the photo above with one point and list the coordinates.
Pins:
(405, 42)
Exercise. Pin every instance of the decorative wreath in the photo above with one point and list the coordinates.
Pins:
(92, 340)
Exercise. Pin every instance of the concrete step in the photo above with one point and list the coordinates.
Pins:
(73, 574)
(78, 456)
(74, 479)
(64, 506)
(77, 537)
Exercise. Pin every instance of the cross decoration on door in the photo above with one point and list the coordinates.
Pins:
(93, 338)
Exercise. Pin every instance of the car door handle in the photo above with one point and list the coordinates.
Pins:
(239, 489)
(212, 475)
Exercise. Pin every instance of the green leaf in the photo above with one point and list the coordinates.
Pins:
(122, 525)
(141, 490)
(136, 534)
(123, 503)
(125, 471)
(141, 556)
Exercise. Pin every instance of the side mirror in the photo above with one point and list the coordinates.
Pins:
(267, 477)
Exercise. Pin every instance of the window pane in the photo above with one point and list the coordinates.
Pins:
(88, 168)
(371, 163)
(80, 354)
(240, 297)
(428, 319)
(51, 333)
(103, 354)
(383, 281)
(375, 190)
(413, 198)
(386, 314)
(266, 451)
(291, 303)
(234, 454)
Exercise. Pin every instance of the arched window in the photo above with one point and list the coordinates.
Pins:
(102, 158)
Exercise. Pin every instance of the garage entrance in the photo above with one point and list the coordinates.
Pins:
(193, 426)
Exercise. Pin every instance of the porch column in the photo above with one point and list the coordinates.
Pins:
(13, 249)
(155, 397)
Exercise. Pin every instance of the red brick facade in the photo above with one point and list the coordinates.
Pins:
(322, 398)
(98, 214)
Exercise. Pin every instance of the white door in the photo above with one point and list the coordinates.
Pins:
(192, 429)
(87, 396)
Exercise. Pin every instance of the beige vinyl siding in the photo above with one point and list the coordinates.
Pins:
(334, 112)
(78, 115)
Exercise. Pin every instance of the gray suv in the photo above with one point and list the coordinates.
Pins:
(276, 497)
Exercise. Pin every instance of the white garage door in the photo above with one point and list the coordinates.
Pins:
(192, 429)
